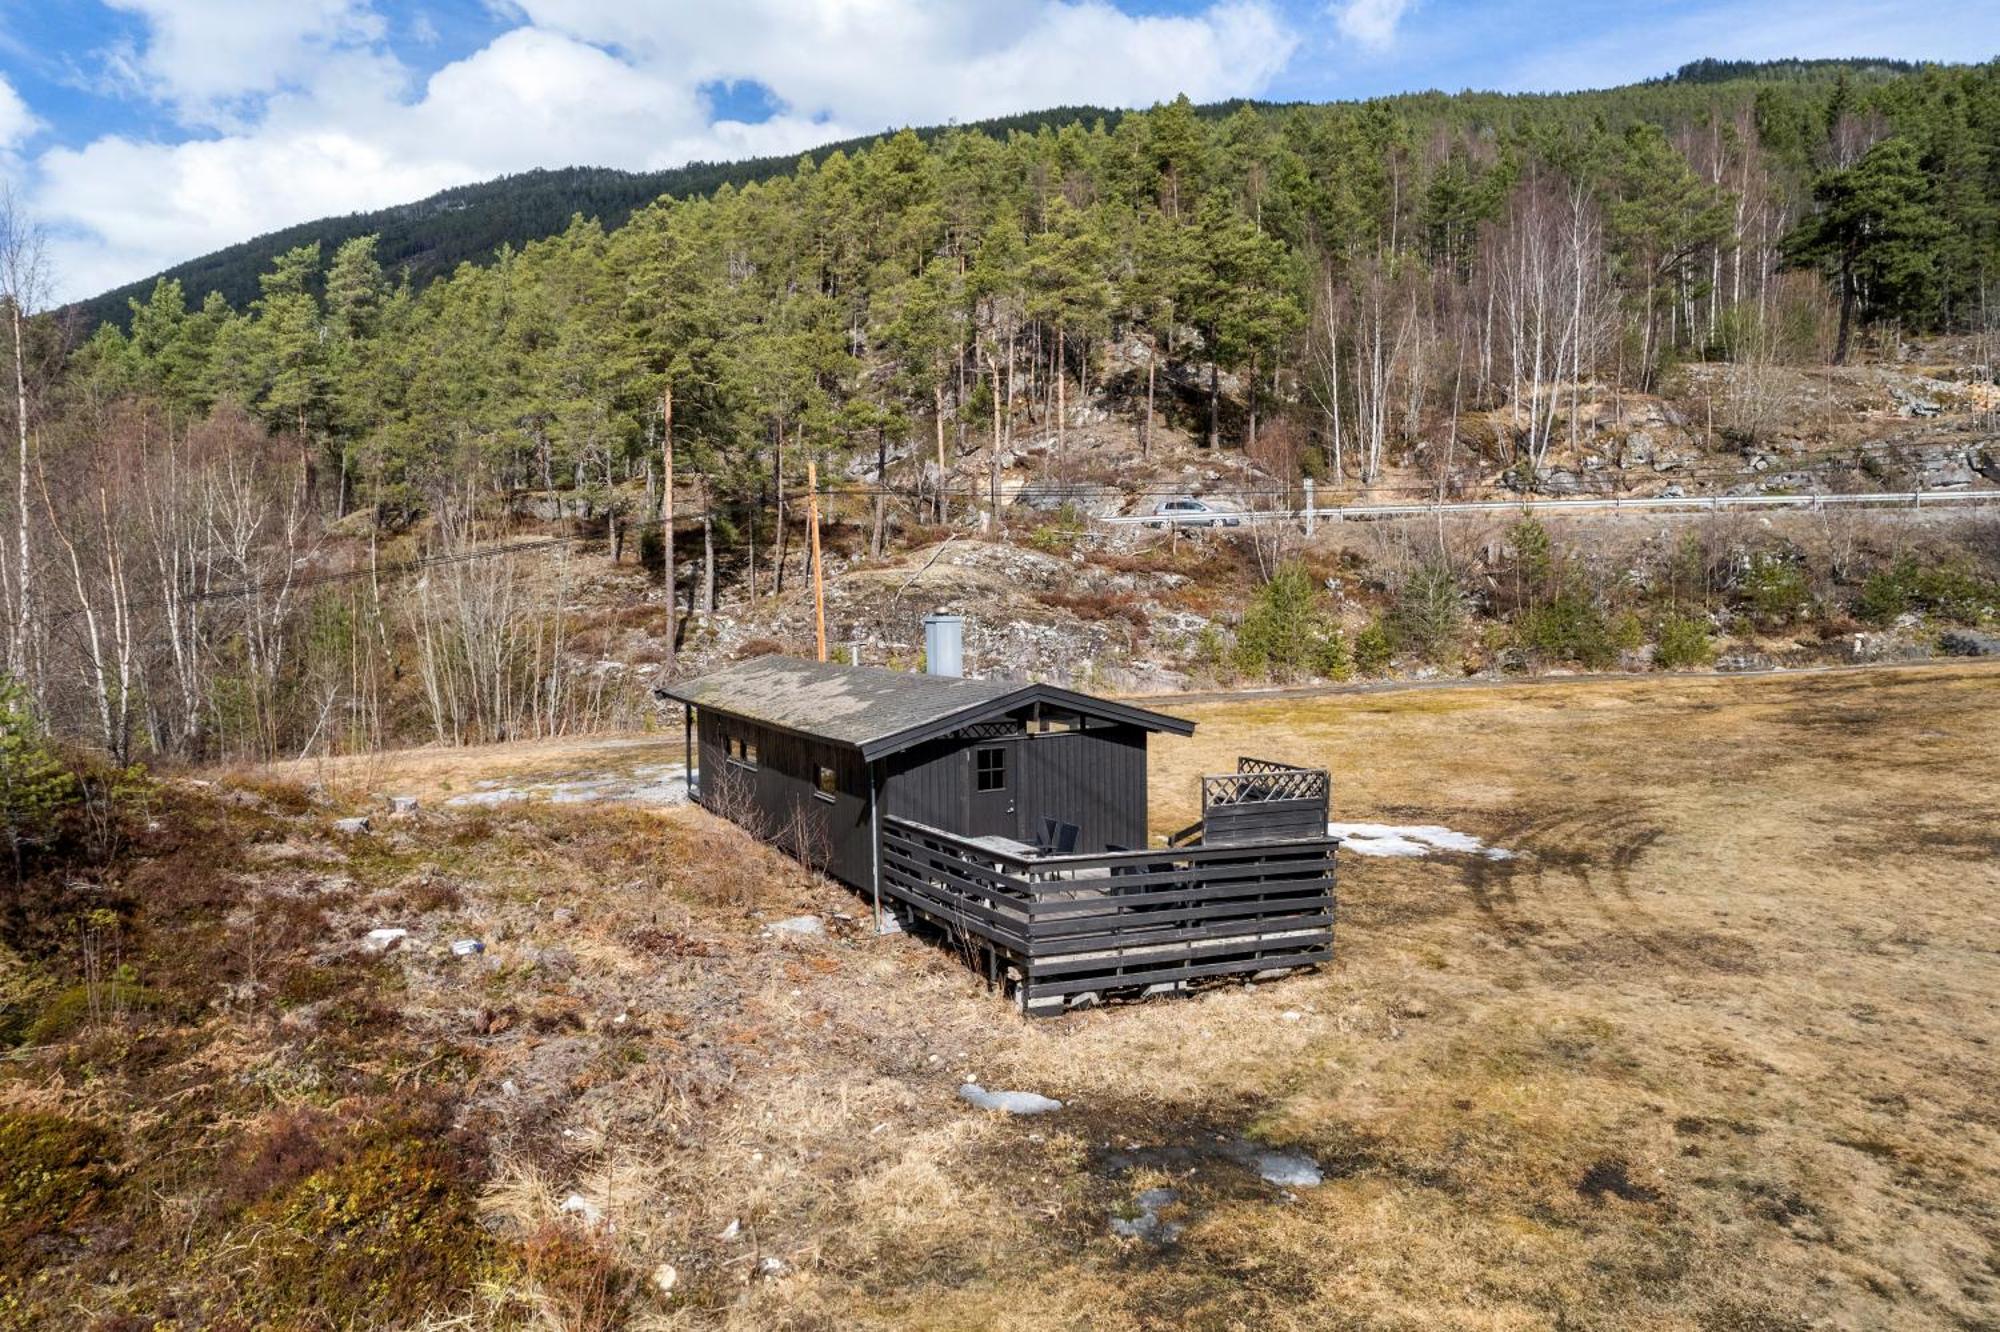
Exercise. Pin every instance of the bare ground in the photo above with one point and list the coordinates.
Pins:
(1713, 1051)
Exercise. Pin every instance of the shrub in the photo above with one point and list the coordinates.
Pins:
(1774, 589)
(1373, 649)
(1286, 632)
(1534, 557)
(1885, 594)
(1953, 591)
(576, 1274)
(1684, 642)
(1569, 627)
(34, 784)
(1428, 619)
(1210, 649)
(1059, 535)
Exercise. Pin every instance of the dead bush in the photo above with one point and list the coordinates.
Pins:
(1096, 606)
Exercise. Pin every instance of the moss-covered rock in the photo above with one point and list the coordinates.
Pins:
(376, 1239)
(53, 1172)
(70, 1010)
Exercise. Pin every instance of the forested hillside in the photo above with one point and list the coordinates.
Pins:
(430, 238)
(1331, 289)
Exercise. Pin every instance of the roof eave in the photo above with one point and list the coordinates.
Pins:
(1145, 718)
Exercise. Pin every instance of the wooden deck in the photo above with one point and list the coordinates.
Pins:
(1060, 929)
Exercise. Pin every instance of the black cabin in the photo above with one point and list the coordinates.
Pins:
(794, 748)
(1014, 815)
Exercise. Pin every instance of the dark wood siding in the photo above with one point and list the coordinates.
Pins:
(928, 783)
(1094, 778)
(778, 798)
(1263, 821)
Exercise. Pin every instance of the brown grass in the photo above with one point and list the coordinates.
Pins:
(1714, 1051)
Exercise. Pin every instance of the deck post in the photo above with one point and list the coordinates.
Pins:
(687, 750)
(875, 841)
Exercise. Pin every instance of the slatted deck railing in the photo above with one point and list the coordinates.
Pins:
(1063, 926)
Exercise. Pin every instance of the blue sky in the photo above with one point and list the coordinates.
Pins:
(143, 132)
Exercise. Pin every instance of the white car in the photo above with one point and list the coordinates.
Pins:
(1190, 512)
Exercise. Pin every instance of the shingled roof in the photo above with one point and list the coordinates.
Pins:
(879, 711)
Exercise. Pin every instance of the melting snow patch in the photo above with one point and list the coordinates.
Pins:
(1147, 1224)
(1008, 1102)
(1293, 1170)
(1417, 839)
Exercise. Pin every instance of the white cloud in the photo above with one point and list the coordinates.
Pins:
(203, 56)
(16, 121)
(310, 113)
(1372, 23)
(893, 61)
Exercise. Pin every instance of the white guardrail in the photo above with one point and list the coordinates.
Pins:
(1915, 499)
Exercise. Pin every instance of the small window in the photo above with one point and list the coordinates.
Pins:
(742, 751)
(989, 769)
(826, 784)
(735, 749)
(750, 753)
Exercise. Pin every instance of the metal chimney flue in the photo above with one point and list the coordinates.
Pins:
(944, 644)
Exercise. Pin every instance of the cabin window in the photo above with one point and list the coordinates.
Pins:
(742, 751)
(750, 752)
(736, 749)
(989, 769)
(826, 783)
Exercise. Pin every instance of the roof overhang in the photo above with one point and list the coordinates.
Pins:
(1027, 696)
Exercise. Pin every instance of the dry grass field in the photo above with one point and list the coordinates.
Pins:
(1713, 1050)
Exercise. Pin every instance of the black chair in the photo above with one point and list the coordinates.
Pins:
(1045, 834)
(1065, 838)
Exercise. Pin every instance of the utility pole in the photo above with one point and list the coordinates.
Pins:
(667, 517)
(819, 585)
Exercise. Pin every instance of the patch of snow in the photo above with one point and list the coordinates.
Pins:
(1007, 1102)
(1291, 1170)
(382, 940)
(1416, 839)
(808, 925)
(578, 1205)
(1147, 1225)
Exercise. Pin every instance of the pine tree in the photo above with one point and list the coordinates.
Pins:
(1875, 231)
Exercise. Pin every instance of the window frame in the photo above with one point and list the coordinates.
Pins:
(826, 782)
(981, 770)
(740, 752)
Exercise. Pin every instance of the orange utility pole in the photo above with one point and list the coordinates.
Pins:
(819, 586)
